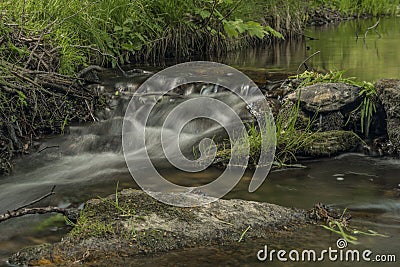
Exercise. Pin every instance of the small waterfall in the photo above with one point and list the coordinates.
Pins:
(92, 154)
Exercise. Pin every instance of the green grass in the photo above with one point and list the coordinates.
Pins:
(340, 227)
(120, 31)
(293, 133)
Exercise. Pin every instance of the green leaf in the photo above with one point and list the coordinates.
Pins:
(273, 32)
(230, 29)
(132, 47)
(128, 21)
(204, 14)
(255, 29)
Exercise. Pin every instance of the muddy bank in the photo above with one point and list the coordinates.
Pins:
(137, 224)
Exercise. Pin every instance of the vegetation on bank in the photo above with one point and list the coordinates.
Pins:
(361, 7)
(115, 32)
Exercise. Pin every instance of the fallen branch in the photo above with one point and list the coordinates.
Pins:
(47, 147)
(26, 211)
(37, 200)
(373, 27)
(304, 62)
(71, 214)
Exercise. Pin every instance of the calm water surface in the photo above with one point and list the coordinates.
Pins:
(340, 48)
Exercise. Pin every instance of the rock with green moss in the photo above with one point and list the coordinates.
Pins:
(135, 223)
(330, 143)
(388, 91)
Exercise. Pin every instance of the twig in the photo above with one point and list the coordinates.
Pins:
(71, 214)
(373, 27)
(231, 10)
(90, 111)
(211, 14)
(304, 62)
(43, 149)
(26, 211)
(36, 200)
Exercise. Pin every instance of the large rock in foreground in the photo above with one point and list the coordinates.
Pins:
(134, 223)
(389, 94)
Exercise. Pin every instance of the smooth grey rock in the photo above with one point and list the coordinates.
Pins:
(326, 97)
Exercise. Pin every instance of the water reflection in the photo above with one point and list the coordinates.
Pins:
(340, 48)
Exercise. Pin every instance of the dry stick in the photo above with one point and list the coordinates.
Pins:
(26, 211)
(304, 62)
(373, 27)
(37, 200)
(90, 111)
(47, 147)
(23, 210)
(211, 14)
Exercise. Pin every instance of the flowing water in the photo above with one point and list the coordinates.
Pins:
(87, 162)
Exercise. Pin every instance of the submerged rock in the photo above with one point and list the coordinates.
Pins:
(389, 94)
(134, 223)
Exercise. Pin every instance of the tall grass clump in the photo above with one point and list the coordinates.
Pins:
(290, 137)
(292, 134)
(120, 31)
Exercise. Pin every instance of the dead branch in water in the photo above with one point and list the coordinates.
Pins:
(24, 210)
(38, 200)
(373, 27)
(304, 62)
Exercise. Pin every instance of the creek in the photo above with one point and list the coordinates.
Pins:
(88, 162)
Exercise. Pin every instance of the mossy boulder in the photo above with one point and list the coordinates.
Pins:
(135, 223)
(330, 143)
(389, 94)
